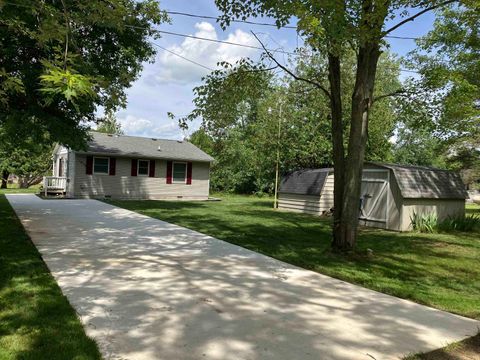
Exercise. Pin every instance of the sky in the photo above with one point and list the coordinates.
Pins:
(166, 85)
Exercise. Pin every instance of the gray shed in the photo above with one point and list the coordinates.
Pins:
(390, 194)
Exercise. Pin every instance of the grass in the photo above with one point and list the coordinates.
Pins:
(15, 190)
(472, 209)
(440, 270)
(468, 349)
(36, 319)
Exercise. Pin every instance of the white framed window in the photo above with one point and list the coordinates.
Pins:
(143, 167)
(179, 172)
(101, 165)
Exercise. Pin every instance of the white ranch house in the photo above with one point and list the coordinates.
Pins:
(390, 194)
(129, 167)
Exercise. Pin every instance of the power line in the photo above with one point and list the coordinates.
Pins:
(183, 57)
(211, 40)
(219, 18)
(210, 69)
(217, 41)
(236, 21)
(401, 37)
(262, 24)
(242, 45)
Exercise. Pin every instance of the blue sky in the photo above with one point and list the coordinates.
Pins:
(167, 84)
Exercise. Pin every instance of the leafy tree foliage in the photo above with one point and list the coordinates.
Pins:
(109, 125)
(334, 28)
(243, 106)
(61, 59)
(449, 61)
(24, 157)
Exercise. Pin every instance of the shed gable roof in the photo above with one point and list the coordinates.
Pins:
(135, 146)
(304, 182)
(421, 182)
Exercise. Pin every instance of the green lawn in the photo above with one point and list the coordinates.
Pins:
(36, 320)
(439, 270)
(15, 190)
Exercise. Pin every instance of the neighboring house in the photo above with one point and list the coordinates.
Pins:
(390, 194)
(130, 167)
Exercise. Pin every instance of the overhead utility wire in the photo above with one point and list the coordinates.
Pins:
(183, 57)
(218, 18)
(263, 24)
(211, 40)
(237, 21)
(236, 44)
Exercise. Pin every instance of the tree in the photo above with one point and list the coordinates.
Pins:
(61, 59)
(25, 157)
(334, 27)
(110, 125)
(448, 58)
(241, 133)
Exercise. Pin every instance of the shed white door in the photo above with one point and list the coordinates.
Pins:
(374, 200)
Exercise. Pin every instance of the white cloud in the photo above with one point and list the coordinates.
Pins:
(137, 126)
(173, 69)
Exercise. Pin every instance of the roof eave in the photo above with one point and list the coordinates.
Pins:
(139, 156)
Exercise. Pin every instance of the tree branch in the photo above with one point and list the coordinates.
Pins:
(288, 71)
(398, 92)
(413, 17)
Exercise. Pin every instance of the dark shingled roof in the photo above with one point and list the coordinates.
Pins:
(304, 182)
(134, 146)
(421, 182)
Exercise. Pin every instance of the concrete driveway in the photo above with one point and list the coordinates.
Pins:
(146, 289)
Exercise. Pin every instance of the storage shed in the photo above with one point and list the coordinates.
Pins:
(390, 194)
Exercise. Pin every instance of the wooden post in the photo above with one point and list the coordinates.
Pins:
(275, 200)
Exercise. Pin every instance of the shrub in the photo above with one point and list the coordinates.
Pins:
(429, 223)
(426, 223)
(460, 223)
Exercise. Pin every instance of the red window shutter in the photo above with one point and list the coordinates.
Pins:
(89, 168)
(134, 167)
(113, 166)
(189, 173)
(151, 171)
(169, 172)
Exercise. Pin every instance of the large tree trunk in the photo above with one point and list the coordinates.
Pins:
(5, 175)
(347, 194)
(337, 141)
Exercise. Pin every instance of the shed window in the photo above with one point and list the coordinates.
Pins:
(179, 172)
(143, 167)
(100, 165)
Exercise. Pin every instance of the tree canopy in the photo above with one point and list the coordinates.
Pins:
(334, 28)
(109, 125)
(242, 106)
(63, 59)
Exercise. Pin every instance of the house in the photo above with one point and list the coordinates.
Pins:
(130, 167)
(390, 194)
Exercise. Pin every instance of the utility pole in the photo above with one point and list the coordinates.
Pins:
(277, 167)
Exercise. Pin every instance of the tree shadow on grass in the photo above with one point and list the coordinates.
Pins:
(36, 320)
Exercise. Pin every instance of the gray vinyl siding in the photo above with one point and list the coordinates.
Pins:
(300, 203)
(396, 205)
(394, 208)
(310, 204)
(442, 208)
(124, 186)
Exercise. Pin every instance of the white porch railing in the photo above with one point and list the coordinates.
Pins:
(54, 184)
